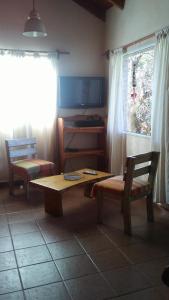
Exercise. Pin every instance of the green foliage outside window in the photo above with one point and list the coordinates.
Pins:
(139, 95)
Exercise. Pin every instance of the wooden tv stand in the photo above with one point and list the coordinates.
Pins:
(66, 125)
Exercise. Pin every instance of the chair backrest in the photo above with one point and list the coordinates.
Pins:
(20, 148)
(134, 168)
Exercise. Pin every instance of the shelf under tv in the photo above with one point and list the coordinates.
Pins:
(66, 126)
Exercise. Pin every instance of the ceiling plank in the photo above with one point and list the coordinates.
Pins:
(99, 7)
(97, 10)
(104, 4)
(119, 3)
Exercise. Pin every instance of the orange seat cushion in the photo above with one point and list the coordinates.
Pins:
(33, 168)
(115, 186)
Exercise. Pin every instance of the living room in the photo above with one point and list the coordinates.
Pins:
(72, 257)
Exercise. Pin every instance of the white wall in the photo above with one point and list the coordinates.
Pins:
(69, 27)
(138, 19)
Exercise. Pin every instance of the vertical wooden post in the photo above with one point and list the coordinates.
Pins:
(126, 196)
(150, 211)
(61, 144)
(99, 199)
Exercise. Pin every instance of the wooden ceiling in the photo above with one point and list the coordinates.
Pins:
(99, 7)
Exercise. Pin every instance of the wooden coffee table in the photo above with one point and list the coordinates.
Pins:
(54, 186)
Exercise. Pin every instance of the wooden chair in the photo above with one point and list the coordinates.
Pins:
(23, 161)
(127, 188)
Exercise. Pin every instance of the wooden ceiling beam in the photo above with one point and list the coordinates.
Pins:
(104, 4)
(119, 3)
(99, 7)
(97, 10)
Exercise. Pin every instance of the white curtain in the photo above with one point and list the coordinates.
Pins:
(28, 89)
(160, 114)
(115, 127)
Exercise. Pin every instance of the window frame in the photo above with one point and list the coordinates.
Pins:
(134, 50)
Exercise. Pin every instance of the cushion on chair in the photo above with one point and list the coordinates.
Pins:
(115, 186)
(33, 168)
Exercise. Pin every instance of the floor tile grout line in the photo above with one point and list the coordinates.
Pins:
(17, 264)
(62, 280)
(62, 258)
(41, 231)
(98, 270)
(135, 291)
(31, 222)
(21, 211)
(47, 284)
(133, 264)
(78, 276)
(14, 268)
(53, 259)
(91, 274)
(16, 291)
(24, 233)
(59, 272)
(40, 245)
(27, 234)
(41, 285)
(101, 272)
(67, 289)
(29, 247)
(38, 263)
(81, 276)
(109, 284)
(120, 250)
(105, 248)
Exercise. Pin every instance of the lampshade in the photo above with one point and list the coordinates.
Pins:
(34, 27)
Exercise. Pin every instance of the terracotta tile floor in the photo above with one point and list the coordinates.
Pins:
(71, 258)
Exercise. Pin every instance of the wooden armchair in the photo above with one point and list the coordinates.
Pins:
(127, 188)
(23, 161)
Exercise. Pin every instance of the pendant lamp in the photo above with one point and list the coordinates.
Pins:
(34, 27)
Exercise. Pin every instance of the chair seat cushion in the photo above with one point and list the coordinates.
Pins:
(115, 186)
(33, 168)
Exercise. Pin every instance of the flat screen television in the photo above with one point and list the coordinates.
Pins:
(81, 92)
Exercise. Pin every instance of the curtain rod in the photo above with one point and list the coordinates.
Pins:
(58, 52)
(107, 52)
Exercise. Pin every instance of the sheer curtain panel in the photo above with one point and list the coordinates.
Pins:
(28, 104)
(160, 114)
(115, 127)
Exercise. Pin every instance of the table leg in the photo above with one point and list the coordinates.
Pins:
(88, 189)
(53, 203)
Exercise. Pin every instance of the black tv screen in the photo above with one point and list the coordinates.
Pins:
(81, 92)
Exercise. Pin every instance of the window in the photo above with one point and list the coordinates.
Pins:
(27, 101)
(139, 91)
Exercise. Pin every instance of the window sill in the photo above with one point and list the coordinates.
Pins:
(138, 134)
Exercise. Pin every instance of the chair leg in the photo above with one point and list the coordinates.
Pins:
(11, 182)
(26, 186)
(99, 199)
(126, 216)
(150, 211)
(122, 208)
